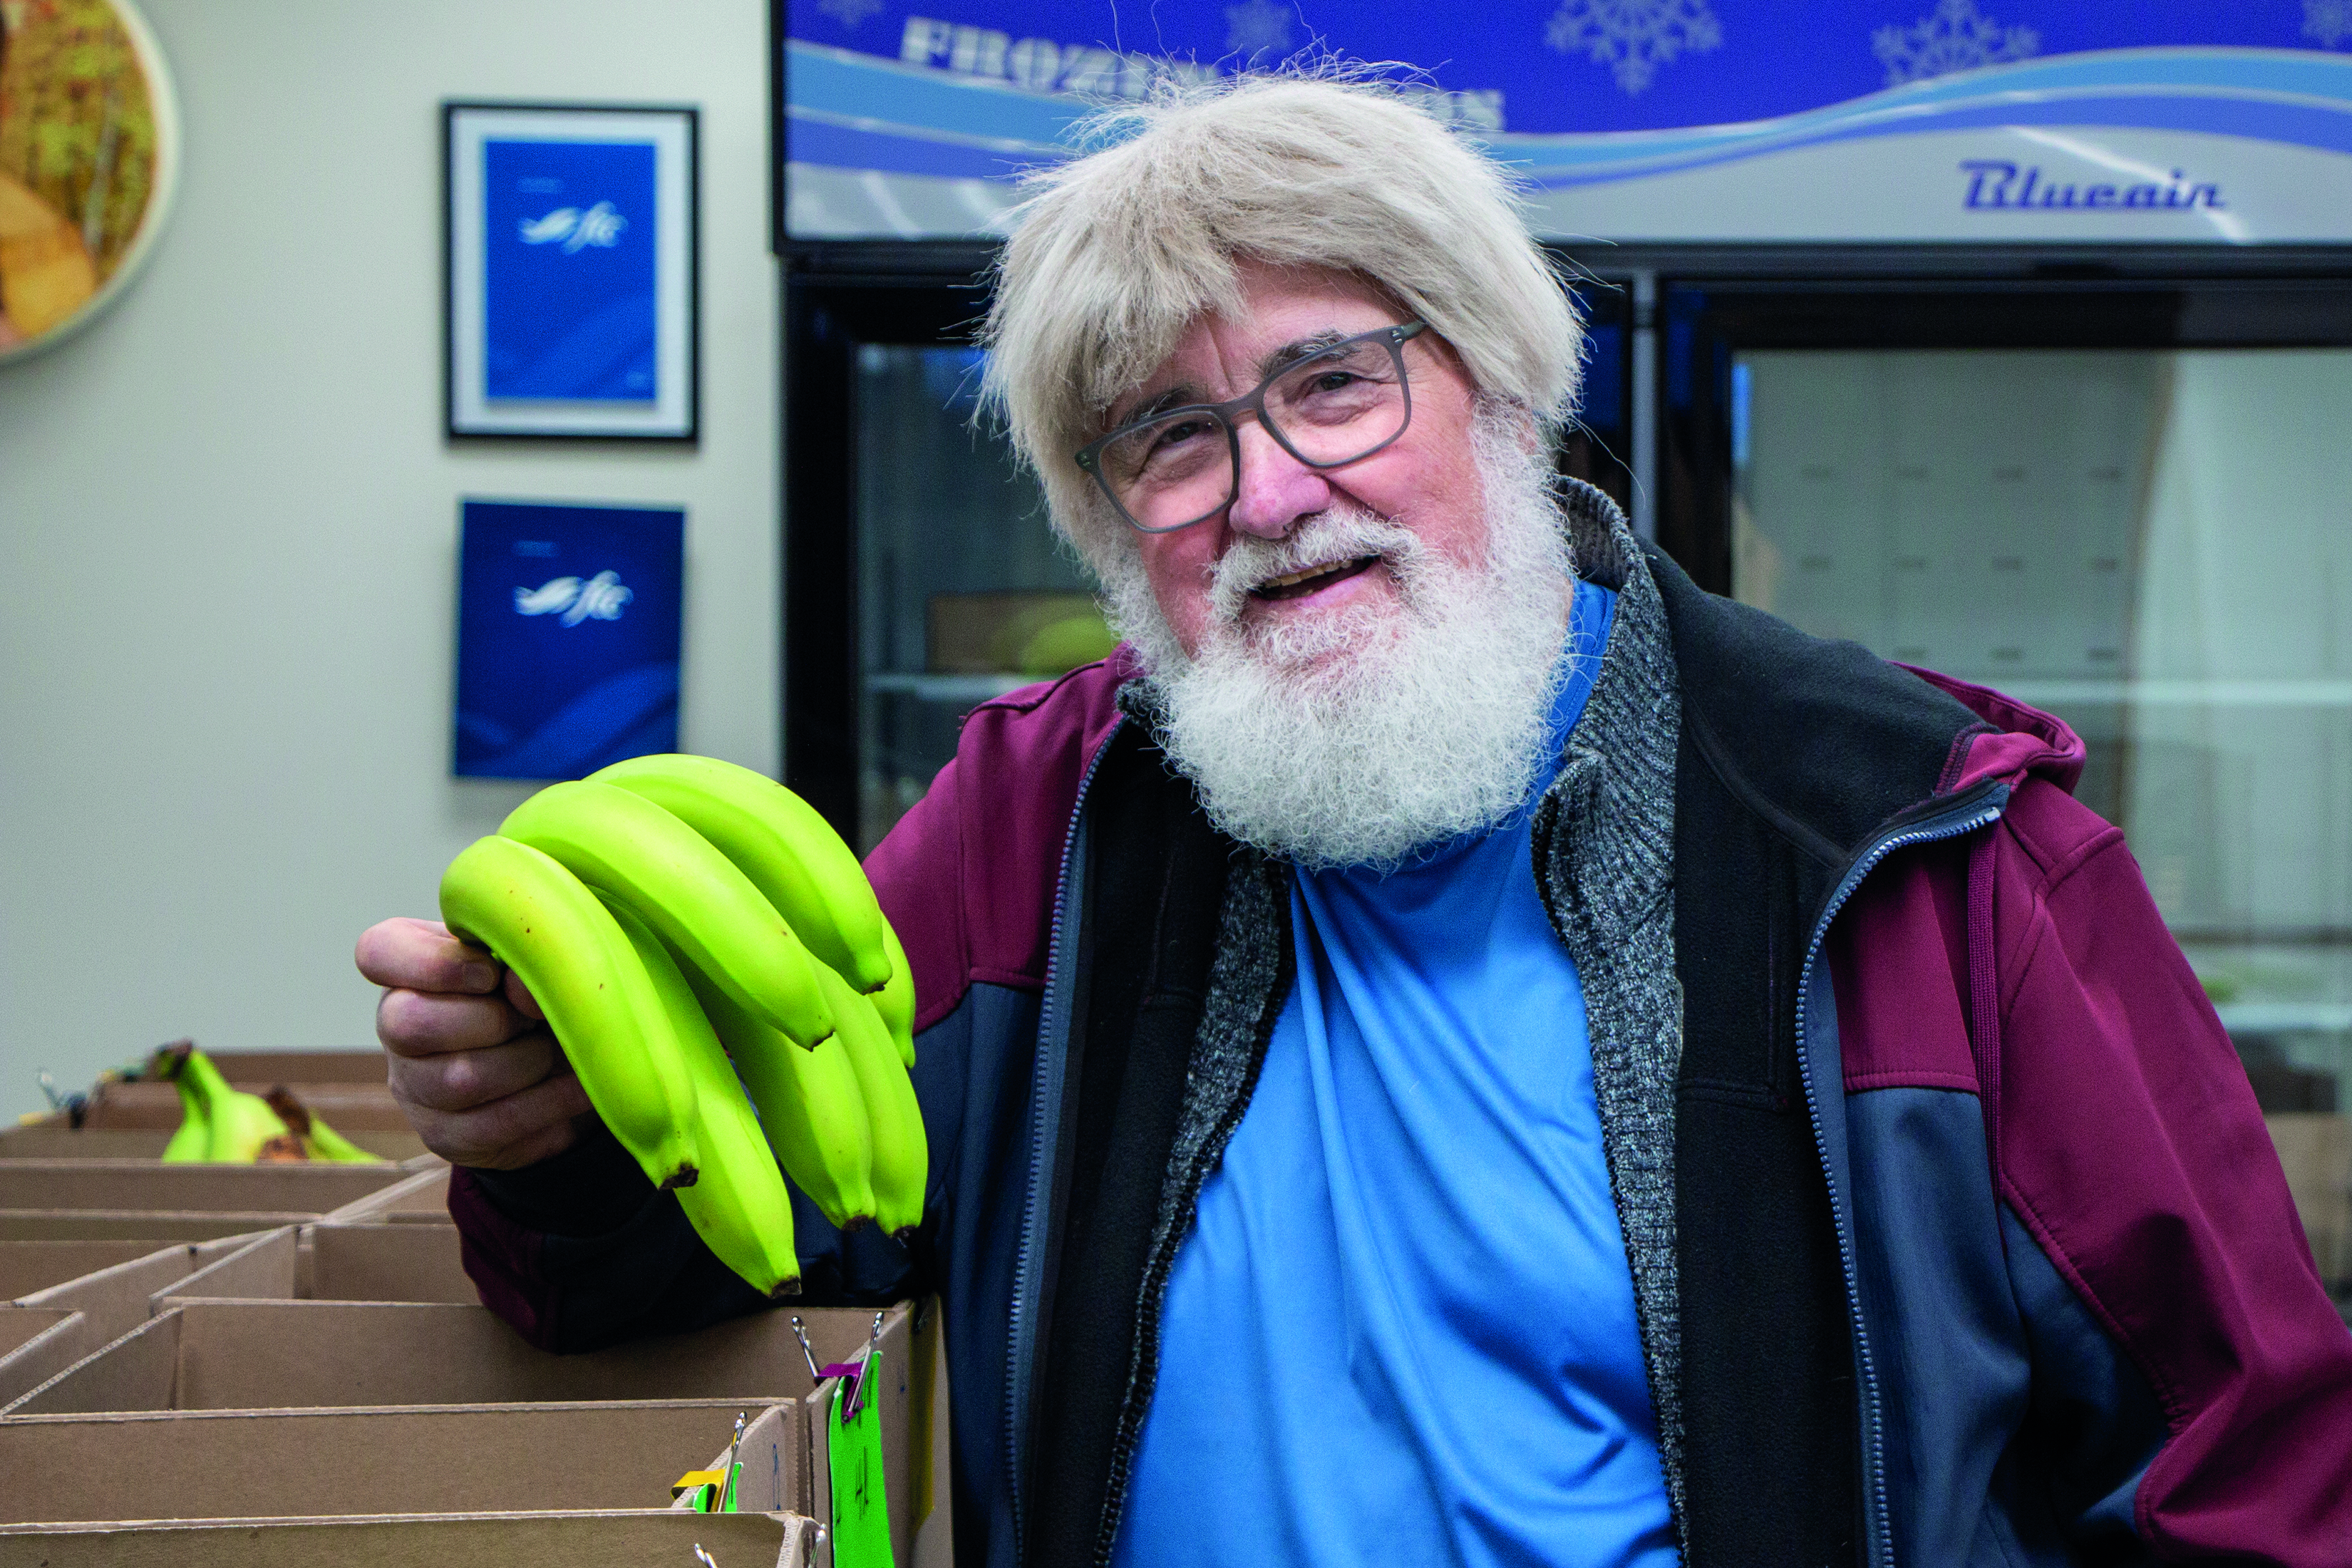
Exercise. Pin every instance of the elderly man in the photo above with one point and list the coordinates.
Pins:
(1454, 1046)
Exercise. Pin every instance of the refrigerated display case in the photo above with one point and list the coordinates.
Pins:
(2020, 352)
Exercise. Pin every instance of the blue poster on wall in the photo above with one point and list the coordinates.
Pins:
(569, 625)
(568, 303)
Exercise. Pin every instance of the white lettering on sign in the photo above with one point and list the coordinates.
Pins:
(1043, 64)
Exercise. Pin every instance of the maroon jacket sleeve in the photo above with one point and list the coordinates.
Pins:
(2131, 1147)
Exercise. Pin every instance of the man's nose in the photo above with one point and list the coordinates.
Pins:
(1274, 489)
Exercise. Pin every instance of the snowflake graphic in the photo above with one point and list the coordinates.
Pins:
(2329, 21)
(1633, 38)
(1257, 27)
(1953, 37)
(849, 13)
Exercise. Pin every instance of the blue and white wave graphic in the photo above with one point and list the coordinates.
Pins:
(624, 715)
(853, 112)
(2282, 96)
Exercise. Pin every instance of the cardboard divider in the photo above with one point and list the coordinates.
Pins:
(36, 1344)
(249, 1355)
(30, 1265)
(447, 1460)
(612, 1539)
(387, 1263)
(45, 1142)
(421, 1196)
(115, 1299)
(262, 1269)
(300, 1187)
(157, 1227)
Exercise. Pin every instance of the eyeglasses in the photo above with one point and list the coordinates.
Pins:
(1334, 407)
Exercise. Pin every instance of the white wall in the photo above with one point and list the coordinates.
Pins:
(229, 518)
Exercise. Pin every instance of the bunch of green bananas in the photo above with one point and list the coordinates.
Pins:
(684, 923)
(219, 1124)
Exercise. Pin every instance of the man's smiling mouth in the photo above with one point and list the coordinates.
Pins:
(1294, 585)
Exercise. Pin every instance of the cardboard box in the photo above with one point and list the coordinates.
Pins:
(349, 1107)
(912, 1390)
(2316, 1150)
(58, 1141)
(287, 1354)
(633, 1539)
(449, 1459)
(346, 1087)
(301, 1187)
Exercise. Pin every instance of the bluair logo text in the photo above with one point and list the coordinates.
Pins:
(1996, 185)
(600, 598)
(574, 229)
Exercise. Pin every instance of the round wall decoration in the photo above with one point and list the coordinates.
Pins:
(89, 154)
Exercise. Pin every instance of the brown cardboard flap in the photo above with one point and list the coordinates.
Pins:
(153, 1226)
(262, 1267)
(388, 1263)
(892, 1388)
(30, 1265)
(422, 1194)
(449, 1459)
(775, 1470)
(654, 1538)
(302, 1187)
(62, 1142)
(257, 1355)
(36, 1344)
(348, 1108)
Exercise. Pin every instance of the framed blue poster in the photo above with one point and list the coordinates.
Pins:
(570, 271)
(569, 624)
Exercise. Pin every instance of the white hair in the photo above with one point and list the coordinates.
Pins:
(1356, 738)
(1116, 254)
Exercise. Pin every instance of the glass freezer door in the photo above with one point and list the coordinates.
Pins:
(2156, 546)
(963, 592)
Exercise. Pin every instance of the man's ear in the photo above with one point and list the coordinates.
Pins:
(1515, 414)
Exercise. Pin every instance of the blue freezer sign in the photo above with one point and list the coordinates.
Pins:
(568, 307)
(2204, 120)
(569, 624)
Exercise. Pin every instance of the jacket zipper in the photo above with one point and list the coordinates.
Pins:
(1043, 1120)
(1965, 817)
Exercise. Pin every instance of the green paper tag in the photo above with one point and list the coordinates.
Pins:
(861, 1513)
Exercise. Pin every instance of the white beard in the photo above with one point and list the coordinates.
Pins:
(1356, 737)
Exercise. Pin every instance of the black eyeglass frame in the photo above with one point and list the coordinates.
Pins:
(1226, 414)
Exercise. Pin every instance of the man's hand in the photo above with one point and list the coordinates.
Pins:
(471, 1060)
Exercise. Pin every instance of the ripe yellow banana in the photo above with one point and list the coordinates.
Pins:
(739, 1208)
(810, 1107)
(902, 1149)
(639, 856)
(779, 841)
(545, 925)
(895, 1001)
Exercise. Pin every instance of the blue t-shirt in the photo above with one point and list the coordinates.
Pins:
(1402, 1329)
